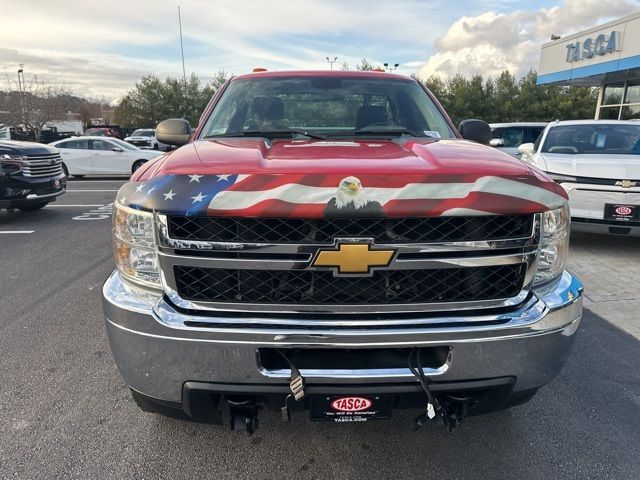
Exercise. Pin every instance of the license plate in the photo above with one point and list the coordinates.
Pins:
(621, 212)
(350, 408)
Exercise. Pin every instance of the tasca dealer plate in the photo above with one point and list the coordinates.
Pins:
(350, 408)
(622, 212)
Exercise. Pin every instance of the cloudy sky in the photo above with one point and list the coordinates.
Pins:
(100, 49)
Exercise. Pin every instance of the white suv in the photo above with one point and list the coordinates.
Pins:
(598, 164)
(146, 138)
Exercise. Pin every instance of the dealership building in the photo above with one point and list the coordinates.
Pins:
(606, 56)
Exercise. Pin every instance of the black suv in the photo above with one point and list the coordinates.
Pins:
(31, 175)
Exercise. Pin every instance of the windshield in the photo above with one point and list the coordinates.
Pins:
(330, 106)
(143, 133)
(126, 145)
(616, 139)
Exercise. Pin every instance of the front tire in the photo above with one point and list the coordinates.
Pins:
(65, 170)
(77, 176)
(34, 207)
(137, 164)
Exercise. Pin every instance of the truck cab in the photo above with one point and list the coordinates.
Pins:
(330, 242)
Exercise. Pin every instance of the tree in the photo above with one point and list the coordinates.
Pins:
(507, 99)
(38, 103)
(153, 100)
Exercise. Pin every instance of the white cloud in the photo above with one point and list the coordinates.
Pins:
(98, 48)
(492, 42)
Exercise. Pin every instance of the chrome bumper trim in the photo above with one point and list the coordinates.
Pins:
(33, 196)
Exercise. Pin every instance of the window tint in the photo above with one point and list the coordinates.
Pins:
(326, 105)
(612, 139)
(101, 145)
(511, 136)
(531, 134)
(75, 144)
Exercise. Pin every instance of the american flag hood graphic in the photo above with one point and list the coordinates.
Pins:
(318, 195)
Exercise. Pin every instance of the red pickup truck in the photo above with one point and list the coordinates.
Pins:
(330, 242)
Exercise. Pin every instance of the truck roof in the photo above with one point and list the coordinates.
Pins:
(325, 73)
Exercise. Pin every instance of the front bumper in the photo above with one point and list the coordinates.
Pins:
(38, 190)
(587, 203)
(157, 354)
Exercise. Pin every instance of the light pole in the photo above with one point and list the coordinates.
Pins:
(391, 69)
(331, 62)
(20, 88)
(184, 72)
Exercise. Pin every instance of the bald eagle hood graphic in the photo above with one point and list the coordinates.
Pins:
(351, 201)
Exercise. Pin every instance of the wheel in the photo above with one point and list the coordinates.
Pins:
(34, 207)
(77, 176)
(137, 164)
(65, 170)
(155, 146)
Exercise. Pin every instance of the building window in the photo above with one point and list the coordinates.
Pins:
(609, 113)
(613, 94)
(633, 92)
(620, 101)
(631, 112)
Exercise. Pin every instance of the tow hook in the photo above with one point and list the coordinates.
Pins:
(296, 386)
(244, 415)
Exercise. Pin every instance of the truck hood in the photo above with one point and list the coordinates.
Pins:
(309, 178)
(28, 149)
(618, 167)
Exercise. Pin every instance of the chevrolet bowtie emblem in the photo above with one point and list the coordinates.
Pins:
(626, 183)
(353, 258)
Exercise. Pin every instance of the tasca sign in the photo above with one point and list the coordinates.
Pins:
(590, 47)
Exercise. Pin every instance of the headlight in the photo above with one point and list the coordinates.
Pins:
(554, 244)
(11, 163)
(135, 247)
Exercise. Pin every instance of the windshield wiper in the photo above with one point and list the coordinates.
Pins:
(379, 130)
(269, 133)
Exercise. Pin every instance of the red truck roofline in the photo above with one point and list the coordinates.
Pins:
(325, 73)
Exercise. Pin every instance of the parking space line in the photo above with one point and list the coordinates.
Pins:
(17, 231)
(89, 205)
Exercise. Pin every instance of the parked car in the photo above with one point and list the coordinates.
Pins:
(100, 156)
(146, 138)
(598, 164)
(509, 136)
(328, 241)
(105, 131)
(31, 175)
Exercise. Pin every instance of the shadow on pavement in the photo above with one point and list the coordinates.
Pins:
(585, 424)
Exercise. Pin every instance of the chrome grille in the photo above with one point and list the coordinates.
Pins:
(441, 264)
(37, 166)
(396, 230)
(322, 288)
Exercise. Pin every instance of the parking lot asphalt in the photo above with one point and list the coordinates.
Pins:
(67, 414)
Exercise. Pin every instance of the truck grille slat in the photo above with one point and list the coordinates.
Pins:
(325, 230)
(311, 287)
(42, 166)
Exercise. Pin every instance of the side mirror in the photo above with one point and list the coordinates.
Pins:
(116, 149)
(497, 142)
(174, 131)
(475, 130)
(526, 149)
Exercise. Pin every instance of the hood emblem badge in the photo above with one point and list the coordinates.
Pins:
(352, 258)
(626, 183)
